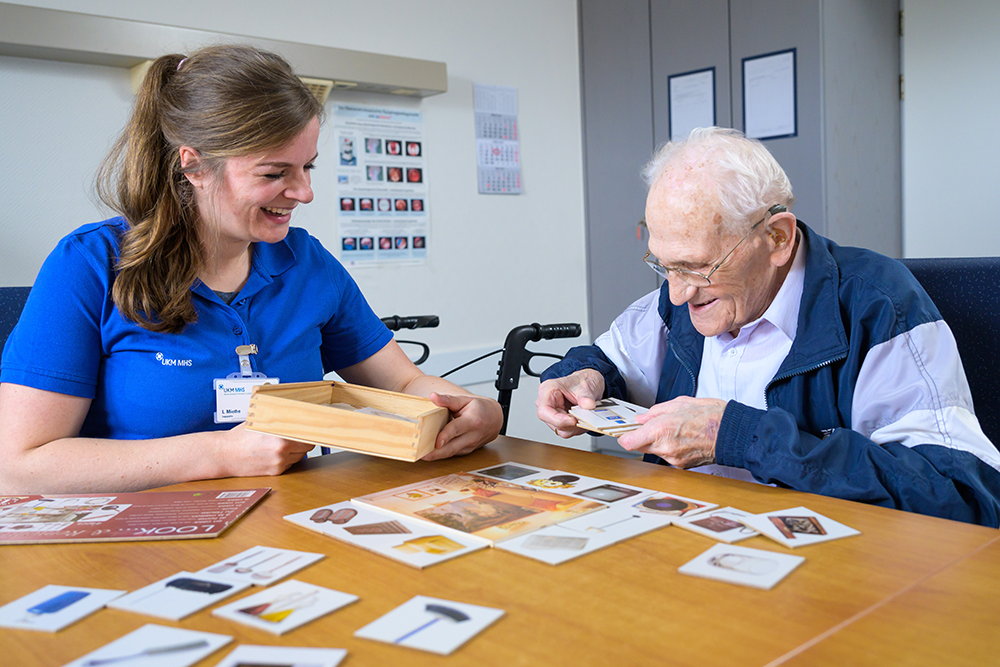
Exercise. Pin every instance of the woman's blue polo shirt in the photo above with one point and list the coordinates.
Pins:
(299, 306)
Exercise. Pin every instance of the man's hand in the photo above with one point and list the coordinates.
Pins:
(558, 395)
(682, 431)
(476, 422)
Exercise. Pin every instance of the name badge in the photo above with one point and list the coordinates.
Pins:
(232, 396)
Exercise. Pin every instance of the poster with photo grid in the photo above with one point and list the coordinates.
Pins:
(382, 204)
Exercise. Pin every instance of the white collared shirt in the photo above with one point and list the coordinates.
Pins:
(739, 369)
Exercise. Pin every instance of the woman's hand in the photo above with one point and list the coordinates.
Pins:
(252, 454)
(475, 422)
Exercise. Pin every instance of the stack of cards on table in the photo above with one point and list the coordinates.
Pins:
(430, 624)
(611, 416)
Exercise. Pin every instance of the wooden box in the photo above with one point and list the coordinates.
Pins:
(296, 411)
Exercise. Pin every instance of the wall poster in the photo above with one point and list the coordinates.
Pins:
(382, 209)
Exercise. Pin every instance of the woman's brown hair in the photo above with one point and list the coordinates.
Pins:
(223, 101)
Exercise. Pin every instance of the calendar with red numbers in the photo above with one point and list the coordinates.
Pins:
(497, 143)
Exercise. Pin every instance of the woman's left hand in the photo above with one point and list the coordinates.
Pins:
(475, 422)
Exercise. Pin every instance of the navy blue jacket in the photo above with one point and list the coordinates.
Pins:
(870, 404)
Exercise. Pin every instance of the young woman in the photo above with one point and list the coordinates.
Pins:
(107, 380)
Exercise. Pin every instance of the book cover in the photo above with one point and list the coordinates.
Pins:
(122, 517)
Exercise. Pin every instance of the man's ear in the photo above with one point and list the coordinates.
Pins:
(191, 159)
(781, 231)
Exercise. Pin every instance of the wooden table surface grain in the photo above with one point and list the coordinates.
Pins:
(624, 605)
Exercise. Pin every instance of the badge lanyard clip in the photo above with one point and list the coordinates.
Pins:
(246, 371)
(232, 393)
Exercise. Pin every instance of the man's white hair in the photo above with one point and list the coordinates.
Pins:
(748, 179)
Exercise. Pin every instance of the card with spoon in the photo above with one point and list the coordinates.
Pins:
(262, 566)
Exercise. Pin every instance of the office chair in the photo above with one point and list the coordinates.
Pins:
(11, 303)
(966, 291)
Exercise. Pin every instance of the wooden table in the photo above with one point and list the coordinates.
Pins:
(625, 605)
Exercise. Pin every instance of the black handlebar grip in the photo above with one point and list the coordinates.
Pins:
(395, 323)
(567, 330)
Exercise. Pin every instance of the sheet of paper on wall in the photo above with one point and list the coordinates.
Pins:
(798, 527)
(611, 416)
(739, 565)
(769, 106)
(498, 149)
(383, 203)
(692, 101)
(413, 543)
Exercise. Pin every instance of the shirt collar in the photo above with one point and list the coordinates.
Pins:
(272, 259)
(783, 312)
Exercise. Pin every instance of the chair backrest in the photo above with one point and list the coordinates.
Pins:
(11, 303)
(966, 291)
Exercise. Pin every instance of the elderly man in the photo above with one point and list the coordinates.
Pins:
(771, 353)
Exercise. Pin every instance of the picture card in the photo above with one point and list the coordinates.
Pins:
(577, 537)
(178, 596)
(509, 471)
(611, 416)
(156, 645)
(249, 655)
(262, 566)
(605, 491)
(581, 486)
(740, 565)
(472, 505)
(798, 527)
(430, 624)
(418, 544)
(724, 524)
(284, 607)
(52, 608)
(673, 505)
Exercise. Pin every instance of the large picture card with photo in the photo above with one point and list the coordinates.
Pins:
(487, 508)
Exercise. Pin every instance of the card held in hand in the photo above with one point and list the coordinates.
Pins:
(611, 416)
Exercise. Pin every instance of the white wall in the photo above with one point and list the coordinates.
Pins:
(951, 137)
(497, 262)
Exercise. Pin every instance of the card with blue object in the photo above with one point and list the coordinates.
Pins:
(52, 608)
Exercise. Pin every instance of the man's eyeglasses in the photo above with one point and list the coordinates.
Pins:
(694, 278)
